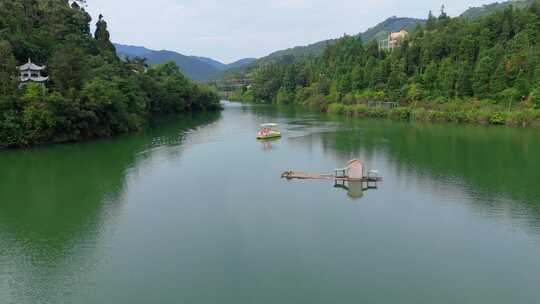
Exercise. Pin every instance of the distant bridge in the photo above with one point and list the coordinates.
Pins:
(231, 85)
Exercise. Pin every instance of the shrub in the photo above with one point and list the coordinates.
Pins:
(336, 108)
(535, 96)
(317, 102)
(497, 118)
(401, 113)
(360, 110)
(509, 96)
(284, 97)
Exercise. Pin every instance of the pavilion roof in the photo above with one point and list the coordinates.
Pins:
(31, 66)
(36, 79)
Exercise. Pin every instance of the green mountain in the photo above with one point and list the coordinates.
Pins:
(240, 63)
(392, 24)
(316, 48)
(131, 50)
(193, 68)
(196, 68)
(223, 66)
(212, 62)
(379, 31)
(471, 65)
(476, 12)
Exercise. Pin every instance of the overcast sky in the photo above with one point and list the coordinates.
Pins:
(228, 30)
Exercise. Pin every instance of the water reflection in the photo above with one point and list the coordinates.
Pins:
(161, 215)
(55, 203)
(355, 189)
(492, 164)
(497, 167)
(269, 144)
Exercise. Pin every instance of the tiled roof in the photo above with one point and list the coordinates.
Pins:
(31, 66)
(36, 79)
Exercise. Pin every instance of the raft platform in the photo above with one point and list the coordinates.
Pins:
(307, 176)
(353, 172)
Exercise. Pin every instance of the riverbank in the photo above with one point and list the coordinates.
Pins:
(468, 111)
(461, 111)
(476, 112)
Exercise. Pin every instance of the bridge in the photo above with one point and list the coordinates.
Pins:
(231, 85)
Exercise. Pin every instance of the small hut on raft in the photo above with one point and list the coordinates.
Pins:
(354, 170)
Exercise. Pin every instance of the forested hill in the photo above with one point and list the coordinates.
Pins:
(377, 32)
(91, 92)
(240, 63)
(195, 67)
(495, 58)
(392, 24)
(316, 49)
(380, 30)
(485, 10)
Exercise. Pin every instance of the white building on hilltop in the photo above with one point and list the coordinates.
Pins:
(393, 40)
(31, 72)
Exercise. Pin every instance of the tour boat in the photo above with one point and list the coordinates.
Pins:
(269, 131)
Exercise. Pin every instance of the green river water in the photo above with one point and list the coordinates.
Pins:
(193, 210)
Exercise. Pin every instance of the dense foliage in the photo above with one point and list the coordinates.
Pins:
(484, 10)
(91, 93)
(493, 60)
(379, 31)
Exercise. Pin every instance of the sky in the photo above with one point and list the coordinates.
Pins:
(228, 30)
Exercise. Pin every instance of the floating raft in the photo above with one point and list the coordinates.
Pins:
(306, 176)
(353, 172)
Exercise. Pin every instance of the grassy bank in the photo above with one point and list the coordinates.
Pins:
(470, 111)
(476, 112)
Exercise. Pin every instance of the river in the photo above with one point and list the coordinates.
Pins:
(193, 210)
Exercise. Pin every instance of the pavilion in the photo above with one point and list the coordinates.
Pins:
(31, 72)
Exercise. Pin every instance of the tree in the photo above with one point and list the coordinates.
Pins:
(38, 118)
(103, 36)
(429, 78)
(510, 96)
(535, 96)
(447, 78)
(499, 81)
(68, 68)
(482, 76)
(463, 86)
(289, 79)
(8, 72)
(443, 17)
(431, 23)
